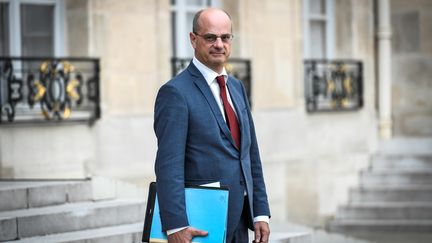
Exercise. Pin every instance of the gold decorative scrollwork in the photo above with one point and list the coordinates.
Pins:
(40, 90)
(339, 87)
(56, 89)
(333, 85)
(49, 89)
(71, 89)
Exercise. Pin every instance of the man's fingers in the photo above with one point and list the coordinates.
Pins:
(262, 232)
(186, 235)
(257, 236)
(265, 238)
(197, 232)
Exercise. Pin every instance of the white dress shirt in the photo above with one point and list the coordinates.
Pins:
(210, 77)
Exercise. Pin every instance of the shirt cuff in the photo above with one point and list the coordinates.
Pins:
(172, 231)
(262, 218)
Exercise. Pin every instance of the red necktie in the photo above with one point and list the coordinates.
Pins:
(230, 116)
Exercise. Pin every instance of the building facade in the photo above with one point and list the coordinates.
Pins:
(313, 77)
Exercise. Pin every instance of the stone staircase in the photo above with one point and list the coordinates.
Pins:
(394, 193)
(68, 211)
(88, 211)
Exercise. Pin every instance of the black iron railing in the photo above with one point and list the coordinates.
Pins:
(36, 90)
(237, 67)
(335, 85)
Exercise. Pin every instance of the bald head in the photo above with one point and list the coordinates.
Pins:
(211, 38)
(204, 13)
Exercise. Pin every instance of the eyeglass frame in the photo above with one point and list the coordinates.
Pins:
(212, 38)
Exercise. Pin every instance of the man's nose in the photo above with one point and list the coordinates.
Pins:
(218, 42)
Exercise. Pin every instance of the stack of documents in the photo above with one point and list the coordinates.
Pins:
(206, 208)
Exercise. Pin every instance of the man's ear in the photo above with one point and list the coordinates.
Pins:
(192, 38)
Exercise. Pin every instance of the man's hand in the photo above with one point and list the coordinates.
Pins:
(262, 232)
(185, 235)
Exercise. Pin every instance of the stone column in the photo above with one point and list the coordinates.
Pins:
(384, 69)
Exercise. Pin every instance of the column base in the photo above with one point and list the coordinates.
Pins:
(385, 129)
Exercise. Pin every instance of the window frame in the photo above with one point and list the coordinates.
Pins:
(328, 19)
(15, 38)
(181, 27)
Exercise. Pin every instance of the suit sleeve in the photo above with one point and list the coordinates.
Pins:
(260, 201)
(170, 126)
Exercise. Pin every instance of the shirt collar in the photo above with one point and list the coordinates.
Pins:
(209, 75)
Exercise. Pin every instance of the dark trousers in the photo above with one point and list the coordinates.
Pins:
(241, 232)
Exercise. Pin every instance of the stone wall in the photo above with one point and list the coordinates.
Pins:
(412, 67)
(132, 40)
(270, 34)
(310, 160)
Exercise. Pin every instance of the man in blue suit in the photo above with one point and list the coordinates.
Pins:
(206, 134)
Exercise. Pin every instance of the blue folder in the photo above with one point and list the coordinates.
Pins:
(206, 209)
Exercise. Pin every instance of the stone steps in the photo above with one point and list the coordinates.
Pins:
(396, 177)
(394, 194)
(27, 194)
(386, 211)
(406, 146)
(382, 225)
(81, 212)
(391, 194)
(41, 209)
(401, 162)
(69, 217)
(130, 233)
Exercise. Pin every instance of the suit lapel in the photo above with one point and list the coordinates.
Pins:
(202, 85)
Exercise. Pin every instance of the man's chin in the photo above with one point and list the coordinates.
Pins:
(218, 59)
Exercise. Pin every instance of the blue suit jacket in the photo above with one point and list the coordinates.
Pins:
(195, 147)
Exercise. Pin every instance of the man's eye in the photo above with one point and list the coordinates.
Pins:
(210, 37)
(225, 37)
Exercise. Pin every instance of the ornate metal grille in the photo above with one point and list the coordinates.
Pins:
(48, 89)
(239, 68)
(333, 85)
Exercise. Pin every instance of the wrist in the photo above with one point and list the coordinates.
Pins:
(172, 231)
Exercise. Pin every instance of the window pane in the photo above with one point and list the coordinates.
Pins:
(189, 19)
(37, 30)
(174, 33)
(317, 6)
(4, 29)
(194, 2)
(181, 22)
(317, 39)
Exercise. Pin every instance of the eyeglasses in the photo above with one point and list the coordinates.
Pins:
(211, 38)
